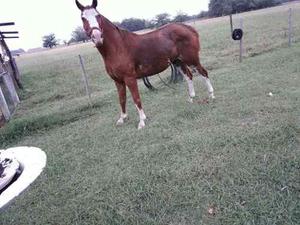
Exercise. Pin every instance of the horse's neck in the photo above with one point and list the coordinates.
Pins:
(114, 38)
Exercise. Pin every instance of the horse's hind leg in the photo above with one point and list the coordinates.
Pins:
(188, 76)
(204, 77)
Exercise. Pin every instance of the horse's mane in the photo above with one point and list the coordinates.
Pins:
(180, 24)
(122, 31)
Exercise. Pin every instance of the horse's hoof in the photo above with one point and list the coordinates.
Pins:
(190, 100)
(120, 122)
(141, 125)
(211, 95)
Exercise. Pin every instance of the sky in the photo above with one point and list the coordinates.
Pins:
(36, 18)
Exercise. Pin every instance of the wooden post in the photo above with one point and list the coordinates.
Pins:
(11, 62)
(84, 76)
(9, 32)
(11, 89)
(7, 24)
(290, 27)
(3, 106)
(18, 75)
(231, 25)
(241, 41)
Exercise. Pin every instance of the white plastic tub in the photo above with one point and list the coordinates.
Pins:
(11, 166)
(32, 161)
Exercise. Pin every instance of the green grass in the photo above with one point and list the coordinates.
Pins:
(239, 155)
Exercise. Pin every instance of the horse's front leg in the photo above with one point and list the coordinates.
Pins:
(122, 98)
(133, 87)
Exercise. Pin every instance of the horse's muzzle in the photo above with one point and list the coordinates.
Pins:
(96, 35)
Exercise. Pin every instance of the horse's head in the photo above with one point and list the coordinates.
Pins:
(91, 20)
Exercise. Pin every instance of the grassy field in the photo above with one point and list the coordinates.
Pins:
(233, 161)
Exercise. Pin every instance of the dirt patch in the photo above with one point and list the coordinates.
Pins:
(203, 101)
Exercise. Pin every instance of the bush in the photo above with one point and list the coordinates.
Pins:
(49, 41)
(133, 24)
(181, 17)
(79, 35)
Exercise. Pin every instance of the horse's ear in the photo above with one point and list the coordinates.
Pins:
(81, 7)
(95, 3)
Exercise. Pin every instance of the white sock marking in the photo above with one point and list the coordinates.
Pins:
(190, 85)
(142, 117)
(206, 82)
(122, 118)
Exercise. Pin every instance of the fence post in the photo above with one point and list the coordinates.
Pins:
(290, 27)
(3, 106)
(231, 25)
(11, 89)
(86, 83)
(241, 41)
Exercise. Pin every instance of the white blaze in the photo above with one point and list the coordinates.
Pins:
(90, 16)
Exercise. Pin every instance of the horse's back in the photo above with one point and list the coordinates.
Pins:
(153, 51)
(175, 34)
(171, 27)
(182, 35)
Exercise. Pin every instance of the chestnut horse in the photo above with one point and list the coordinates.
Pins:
(129, 56)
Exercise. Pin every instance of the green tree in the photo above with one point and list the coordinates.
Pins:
(118, 24)
(202, 14)
(150, 24)
(258, 4)
(162, 19)
(181, 17)
(49, 41)
(79, 35)
(225, 7)
(216, 7)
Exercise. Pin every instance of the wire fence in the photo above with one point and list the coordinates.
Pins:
(264, 31)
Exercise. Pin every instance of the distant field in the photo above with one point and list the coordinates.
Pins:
(233, 161)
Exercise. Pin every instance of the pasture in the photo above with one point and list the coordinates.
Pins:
(235, 160)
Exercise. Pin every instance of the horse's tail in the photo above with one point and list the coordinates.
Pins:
(202, 70)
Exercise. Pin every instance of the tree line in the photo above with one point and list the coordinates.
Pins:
(130, 24)
(135, 24)
(216, 8)
(226, 7)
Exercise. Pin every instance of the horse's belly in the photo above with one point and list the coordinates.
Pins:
(154, 56)
(148, 69)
